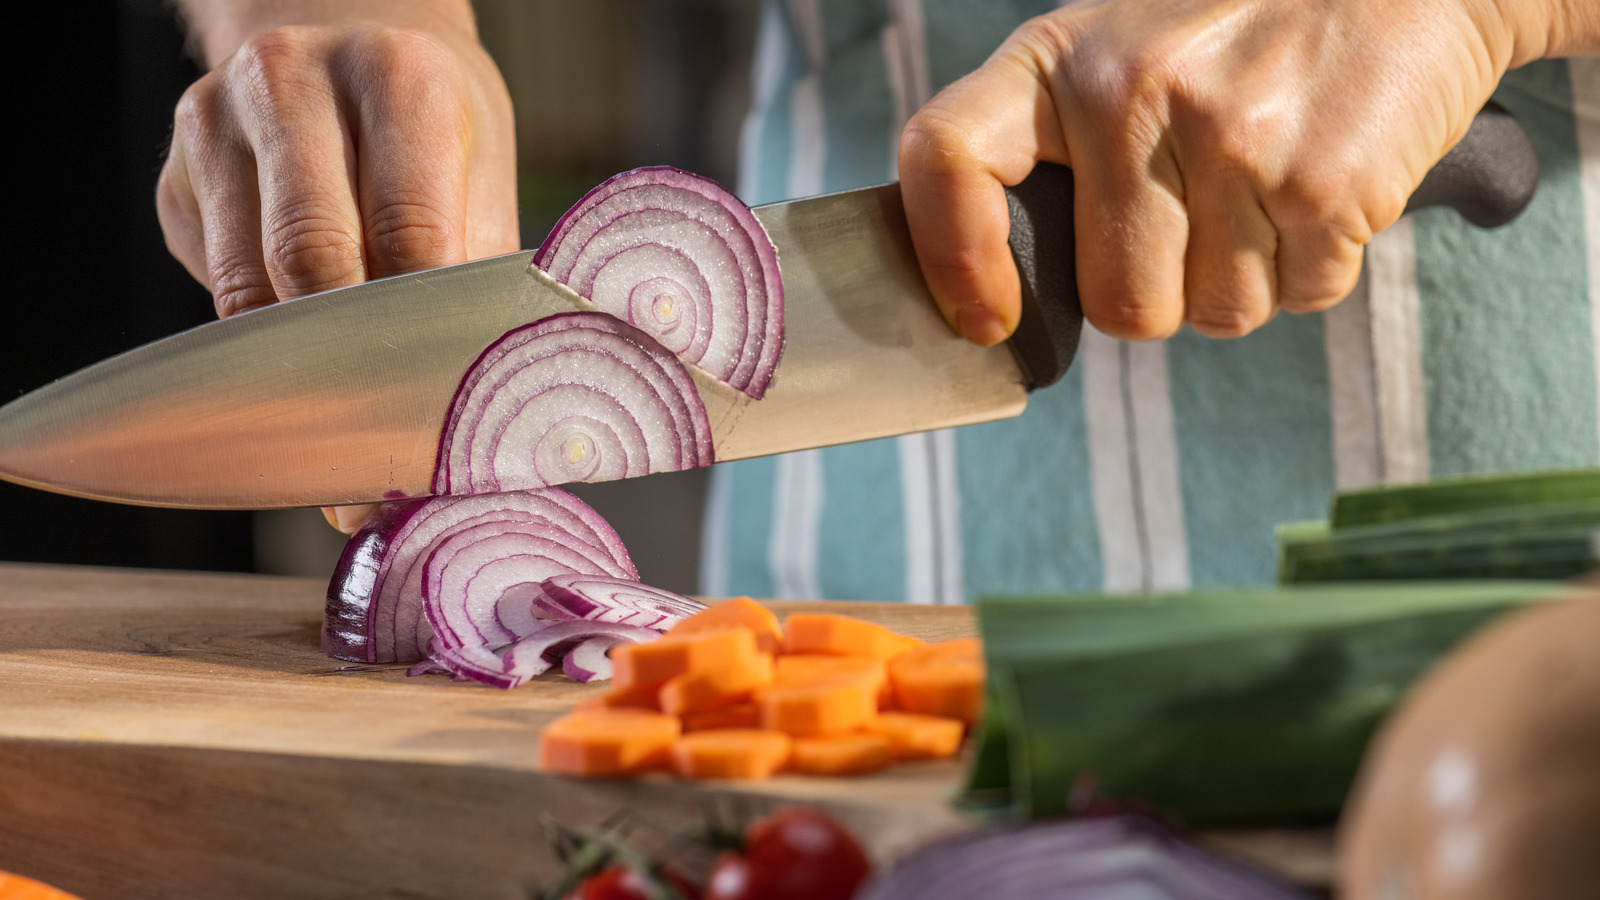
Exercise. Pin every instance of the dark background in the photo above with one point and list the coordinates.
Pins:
(599, 87)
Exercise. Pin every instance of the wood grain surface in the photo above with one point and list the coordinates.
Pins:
(172, 735)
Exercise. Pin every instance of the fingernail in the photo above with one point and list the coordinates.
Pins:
(981, 326)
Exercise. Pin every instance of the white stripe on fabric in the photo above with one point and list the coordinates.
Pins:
(952, 588)
(1347, 335)
(1585, 75)
(714, 535)
(905, 52)
(807, 16)
(916, 493)
(1393, 299)
(1133, 454)
(770, 57)
(810, 141)
(797, 510)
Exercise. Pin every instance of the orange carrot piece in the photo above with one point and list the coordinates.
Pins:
(738, 715)
(806, 668)
(734, 613)
(652, 663)
(730, 753)
(916, 736)
(607, 742)
(843, 636)
(16, 887)
(731, 682)
(847, 754)
(644, 697)
(836, 705)
(943, 679)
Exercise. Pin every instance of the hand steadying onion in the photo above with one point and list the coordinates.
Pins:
(680, 257)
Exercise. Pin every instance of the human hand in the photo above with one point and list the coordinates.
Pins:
(1231, 157)
(332, 143)
(319, 156)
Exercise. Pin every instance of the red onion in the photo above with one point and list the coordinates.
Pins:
(375, 600)
(616, 600)
(681, 258)
(1084, 859)
(591, 660)
(572, 397)
(514, 664)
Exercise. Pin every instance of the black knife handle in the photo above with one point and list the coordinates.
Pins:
(1489, 178)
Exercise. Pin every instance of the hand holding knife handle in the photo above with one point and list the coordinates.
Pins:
(1489, 178)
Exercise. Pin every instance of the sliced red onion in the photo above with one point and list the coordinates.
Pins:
(530, 656)
(572, 397)
(680, 257)
(604, 599)
(591, 660)
(1085, 859)
(375, 600)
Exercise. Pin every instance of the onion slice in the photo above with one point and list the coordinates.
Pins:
(591, 660)
(375, 609)
(680, 257)
(605, 599)
(571, 397)
(513, 665)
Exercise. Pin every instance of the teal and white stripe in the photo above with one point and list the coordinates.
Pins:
(1160, 466)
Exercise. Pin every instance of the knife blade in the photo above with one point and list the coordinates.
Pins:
(338, 398)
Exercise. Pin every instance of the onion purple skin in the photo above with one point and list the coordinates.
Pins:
(759, 317)
(359, 607)
(1085, 859)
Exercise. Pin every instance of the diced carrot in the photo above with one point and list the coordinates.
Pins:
(739, 715)
(737, 612)
(848, 754)
(652, 663)
(836, 705)
(943, 679)
(608, 742)
(841, 635)
(16, 887)
(916, 736)
(730, 753)
(805, 668)
(730, 682)
(641, 697)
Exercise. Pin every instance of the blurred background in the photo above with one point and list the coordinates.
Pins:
(599, 86)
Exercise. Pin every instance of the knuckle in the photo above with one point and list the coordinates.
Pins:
(200, 108)
(936, 141)
(1313, 195)
(1132, 321)
(240, 285)
(1227, 321)
(276, 68)
(311, 251)
(410, 232)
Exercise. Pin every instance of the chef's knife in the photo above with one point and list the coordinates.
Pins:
(338, 398)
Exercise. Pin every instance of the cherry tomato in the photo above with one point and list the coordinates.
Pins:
(794, 854)
(623, 883)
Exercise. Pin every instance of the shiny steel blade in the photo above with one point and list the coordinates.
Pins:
(866, 353)
(339, 397)
(330, 399)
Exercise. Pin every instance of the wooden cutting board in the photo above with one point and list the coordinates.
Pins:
(173, 735)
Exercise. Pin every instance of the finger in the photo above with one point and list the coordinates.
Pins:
(413, 152)
(310, 229)
(1322, 237)
(957, 154)
(348, 519)
(210, 206)
(1231, 275)
(1132, 233)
